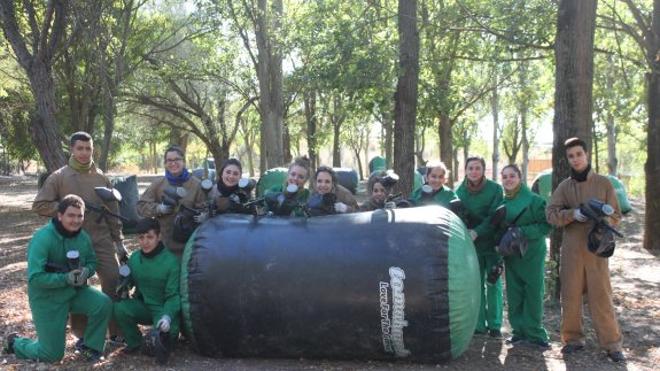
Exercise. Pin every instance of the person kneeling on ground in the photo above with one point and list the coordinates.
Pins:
(60, 260)
(154, 271)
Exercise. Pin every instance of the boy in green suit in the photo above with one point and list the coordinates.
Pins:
(154, 271)
(60, 260)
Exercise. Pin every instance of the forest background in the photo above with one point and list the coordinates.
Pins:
(267, 80)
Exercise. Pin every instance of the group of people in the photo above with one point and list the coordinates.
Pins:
(83, 245)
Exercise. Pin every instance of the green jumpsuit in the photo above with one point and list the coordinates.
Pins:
(443, 197)
(479, 208)
(156, 279)
(524, 275)
(301, 197)
(52, 299)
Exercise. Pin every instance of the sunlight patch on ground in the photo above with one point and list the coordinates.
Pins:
(16, 267)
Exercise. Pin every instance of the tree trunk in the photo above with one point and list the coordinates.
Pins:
(495, 109)
(612, 161)
(45, 130)
(248, 147)
(108, 129)
(336, 151)
(454, 165)
(269, 74)
(38, 67)
(310, 117)
(652, 166)
(388, 125)
(359, 163)
(574, 47)
(446, 146)
(420, 142)
(524, 111)
(406, 96)
(286, 142)
(594, 158)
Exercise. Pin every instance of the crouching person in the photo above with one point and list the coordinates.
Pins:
(60, 261)
(154, 272)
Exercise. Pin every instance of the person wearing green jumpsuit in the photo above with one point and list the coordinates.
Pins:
(440, 194)
(154, 271)
(480, 197)
(297, 175)
(57, 286)
(525, 274)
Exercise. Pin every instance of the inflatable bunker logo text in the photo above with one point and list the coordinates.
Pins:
(392, 327)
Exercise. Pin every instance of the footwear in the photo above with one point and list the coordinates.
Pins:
(495, 333)
(117, 340)
(572, 348)
(91, 355)
(616, 356)
(9, 345)
(514, 339)
(80, 344)
(540, 343)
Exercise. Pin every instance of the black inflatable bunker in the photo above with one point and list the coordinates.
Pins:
(387, 284)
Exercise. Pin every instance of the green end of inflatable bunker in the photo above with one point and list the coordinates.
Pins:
(621, 195)
(542, 185)
(418, 182)
(388, 285)
(377, 163)
(271, 178)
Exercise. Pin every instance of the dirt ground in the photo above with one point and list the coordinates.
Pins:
(635, 281)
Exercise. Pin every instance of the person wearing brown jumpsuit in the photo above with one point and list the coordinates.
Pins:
(580, 270)
(151, 203)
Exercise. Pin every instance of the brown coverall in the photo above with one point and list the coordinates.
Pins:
(345, 196)
(148, 204)
(580, 270)
(66, 181)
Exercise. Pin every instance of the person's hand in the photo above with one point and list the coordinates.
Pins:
(121, 251)
(390, 205)
(164, 209)
(201, 217)
(77, 277)
(577, 215)
(72, 277)
(235, 198)
(340, 207)
(164, 323)
(473, 234)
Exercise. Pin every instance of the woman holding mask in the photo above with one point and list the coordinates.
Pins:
(227, 195)
(435, 191)
(524, 272)
(480, 198)
(293, 192)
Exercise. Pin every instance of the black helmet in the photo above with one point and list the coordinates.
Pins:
(601, 241)
(512, 242)
(156, 344)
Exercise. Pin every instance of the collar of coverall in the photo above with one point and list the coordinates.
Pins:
(62, 231)
(153, 252)
(581, 176)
